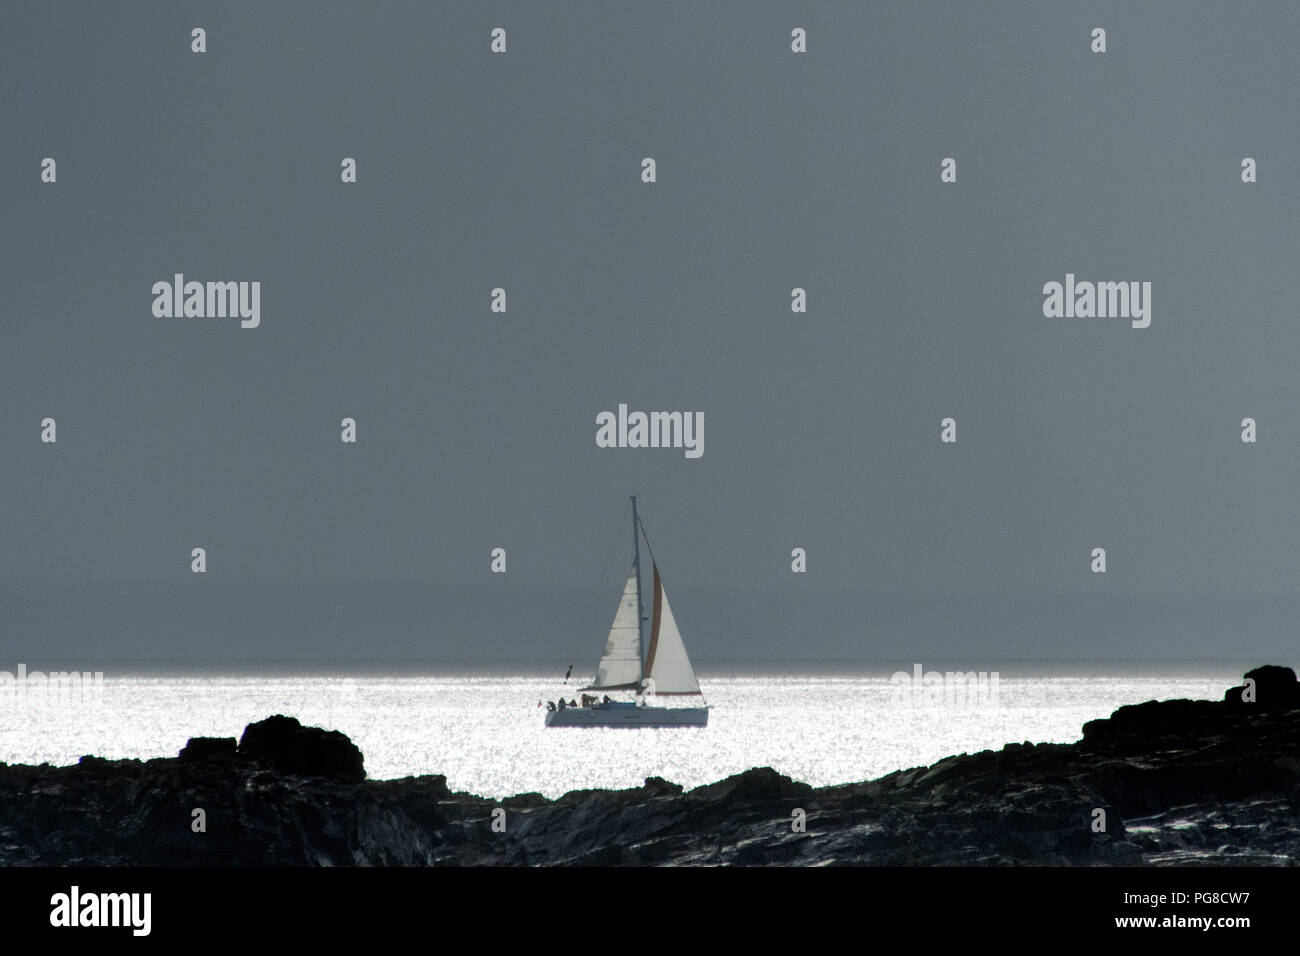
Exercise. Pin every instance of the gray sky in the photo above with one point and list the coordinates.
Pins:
(476, 430)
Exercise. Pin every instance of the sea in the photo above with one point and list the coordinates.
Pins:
(482, 725)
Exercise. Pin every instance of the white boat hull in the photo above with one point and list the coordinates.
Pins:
(622, 715)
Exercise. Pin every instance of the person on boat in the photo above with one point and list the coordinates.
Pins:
(606, 700)
(573, 703)
(562, 704)
(550, 705)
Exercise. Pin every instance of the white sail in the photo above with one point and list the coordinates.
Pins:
(666, 661)
(620, 665)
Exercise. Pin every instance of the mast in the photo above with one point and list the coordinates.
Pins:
(640, 608)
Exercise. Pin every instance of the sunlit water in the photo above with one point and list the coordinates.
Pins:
(486, 733)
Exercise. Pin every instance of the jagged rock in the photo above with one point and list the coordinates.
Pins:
(524, 801)
(1134, 722)
(661, 787)
(281, 743)
(207, 748)
(1274, 687)
(761, 784)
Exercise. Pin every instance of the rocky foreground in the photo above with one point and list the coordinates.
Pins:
(1179, 781)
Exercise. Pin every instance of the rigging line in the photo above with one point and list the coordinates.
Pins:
(647, 539)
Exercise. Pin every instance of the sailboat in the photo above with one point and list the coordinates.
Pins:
(658, 667)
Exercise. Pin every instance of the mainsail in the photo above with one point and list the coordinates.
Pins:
(666, 661)
(620, 665)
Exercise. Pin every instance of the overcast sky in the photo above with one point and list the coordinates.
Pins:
(477, 430)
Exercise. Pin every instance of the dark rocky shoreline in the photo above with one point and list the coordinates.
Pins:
(1180, 782)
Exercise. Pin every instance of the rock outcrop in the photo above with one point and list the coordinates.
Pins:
(1171, 782)
(1273, 686)
(281, 743)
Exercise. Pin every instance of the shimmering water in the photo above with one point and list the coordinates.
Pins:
(486, 733)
